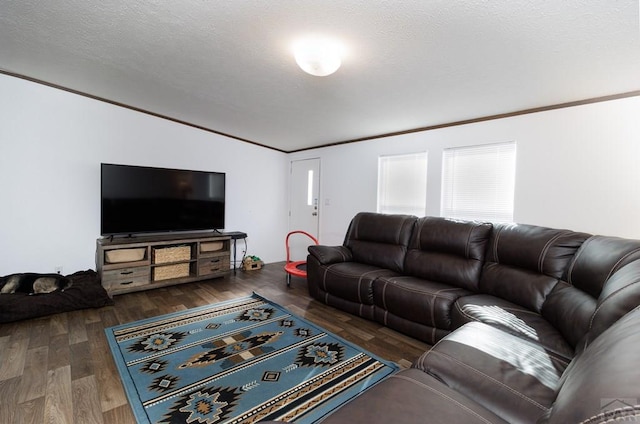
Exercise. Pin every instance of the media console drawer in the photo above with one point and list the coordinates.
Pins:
(213, 265)
(123, 278)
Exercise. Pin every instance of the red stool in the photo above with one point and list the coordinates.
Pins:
(297, 268)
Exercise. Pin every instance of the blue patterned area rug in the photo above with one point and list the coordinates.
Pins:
(240, 361)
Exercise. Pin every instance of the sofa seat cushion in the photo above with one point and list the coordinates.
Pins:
(418, 300)
(351, 281)
(412, 396)
(511, 318)
(513, 377)
(422, 332)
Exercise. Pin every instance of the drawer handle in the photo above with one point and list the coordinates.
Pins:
(213, 261)
(126, 272)
(126, 283)
(215, 269)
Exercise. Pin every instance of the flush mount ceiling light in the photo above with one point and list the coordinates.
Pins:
(318, 56)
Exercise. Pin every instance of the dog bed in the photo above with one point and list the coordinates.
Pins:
(85, 292)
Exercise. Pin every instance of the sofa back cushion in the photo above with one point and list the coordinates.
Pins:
(448, 251)
(571, 306)
(525, 262)
(620, 294)
(598, 259)
(379, 239)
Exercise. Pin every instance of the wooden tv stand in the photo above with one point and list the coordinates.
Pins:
(131, 264)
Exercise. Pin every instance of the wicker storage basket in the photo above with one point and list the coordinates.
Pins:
(164, 255)
(124, 255)
(167, 272)
(211, 246)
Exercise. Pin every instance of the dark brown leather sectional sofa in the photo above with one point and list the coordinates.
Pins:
(529, 324)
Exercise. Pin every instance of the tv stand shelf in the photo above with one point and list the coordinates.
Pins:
(131, 264)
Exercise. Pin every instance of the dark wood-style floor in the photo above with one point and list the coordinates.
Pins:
(59, 369)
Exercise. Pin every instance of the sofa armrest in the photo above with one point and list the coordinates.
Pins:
(327, 255)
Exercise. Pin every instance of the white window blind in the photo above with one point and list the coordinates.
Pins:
(478, 182)
(402, 184)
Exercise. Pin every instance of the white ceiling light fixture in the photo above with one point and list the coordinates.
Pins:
(318, 56)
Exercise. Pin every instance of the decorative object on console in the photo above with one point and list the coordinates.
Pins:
(212, 246)
(124, 255)
(163, 255)
(243, 360)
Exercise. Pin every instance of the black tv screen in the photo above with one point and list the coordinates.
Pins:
(137, 199)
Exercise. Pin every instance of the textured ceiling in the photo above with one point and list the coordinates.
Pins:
(228, 66)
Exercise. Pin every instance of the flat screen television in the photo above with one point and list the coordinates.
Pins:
(138, 199)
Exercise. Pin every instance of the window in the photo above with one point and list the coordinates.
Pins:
(478, 182)
(402, 184)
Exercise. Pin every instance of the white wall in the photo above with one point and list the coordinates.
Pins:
(51, 146)
(577, 168)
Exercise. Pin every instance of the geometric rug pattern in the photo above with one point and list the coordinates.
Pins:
(240, 361)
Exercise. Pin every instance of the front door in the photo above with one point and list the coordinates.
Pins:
(303, 204)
